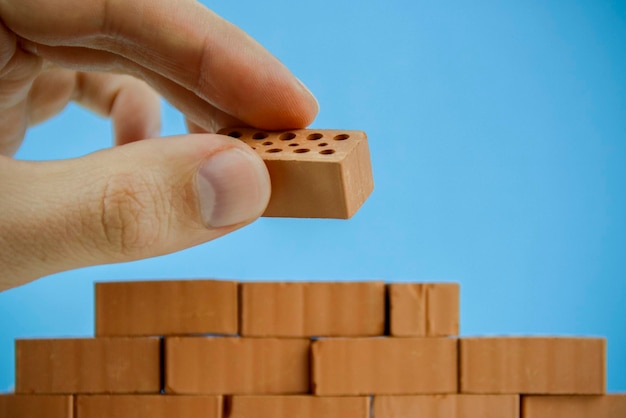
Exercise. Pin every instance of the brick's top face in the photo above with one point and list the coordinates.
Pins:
(35, 406)
(305, 309)
(300, 406)
(447, 406)
(299, 144)
(604, 406)
(148, 406)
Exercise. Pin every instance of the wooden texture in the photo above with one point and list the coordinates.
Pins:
(102, 365)
(423, 309)
(533, 365)
(148, 406)
(36, 406)
(447, 406)
(313, 309)
(314, 173)
(603, 406)
(361, 366)
(166, 308)
(299, 407)
(236, 366)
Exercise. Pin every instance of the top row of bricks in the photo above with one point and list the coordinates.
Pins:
(277, 309)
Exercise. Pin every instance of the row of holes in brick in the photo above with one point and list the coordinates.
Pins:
(288, 136)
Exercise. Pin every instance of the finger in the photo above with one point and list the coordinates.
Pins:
(182, 41)
(139, 200)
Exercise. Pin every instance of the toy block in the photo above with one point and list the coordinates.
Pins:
(312, 309)
(314, 173)
(205, 365)
(423, 309)
(148, 406)
(447, 406)
(533, 365)
(394, 366)
(36, 406)
(582, 406)
(166, 308)
(299, 406)
(101, 365)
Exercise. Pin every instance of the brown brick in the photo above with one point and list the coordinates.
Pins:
(148, 406)
(166, 308)
(102, 365)
(314, 173)
(36, 406)
(533, 365)
(299, 406)
(200, 365)
(313, 309)
(447, 406)
(583, 406)
(361, 366)
(423, 309)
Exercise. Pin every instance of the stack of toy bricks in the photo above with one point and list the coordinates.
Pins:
(218, 349)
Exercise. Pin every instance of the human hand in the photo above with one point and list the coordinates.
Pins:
(144, 197)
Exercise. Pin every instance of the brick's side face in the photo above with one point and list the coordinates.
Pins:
(604, 406)
(313, 309)
(198, 365)
(166, 308)
(148, 406)
(36, 406)
(424, 309)
(299, 406)
(533, 365)
(359, 366)
(101, 365)
(447, 406)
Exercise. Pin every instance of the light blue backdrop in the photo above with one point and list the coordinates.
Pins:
(498, 137)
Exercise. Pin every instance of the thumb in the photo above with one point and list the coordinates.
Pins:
(135, 201)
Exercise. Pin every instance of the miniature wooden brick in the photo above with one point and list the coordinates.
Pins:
(300, 407)
(205, 365)
(166, 308)
(533, 365)
(447, 406)
(583, 406)
(312, 309)
(394, 366)
(101, 365)
(148, 406)
(36, 406)
(314, 173)
(423, 309)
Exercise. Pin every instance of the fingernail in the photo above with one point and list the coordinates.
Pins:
(306, 89)
(233, 187)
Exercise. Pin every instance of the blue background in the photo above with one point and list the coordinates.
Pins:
(498, 138)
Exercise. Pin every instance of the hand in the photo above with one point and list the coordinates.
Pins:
(144, 197)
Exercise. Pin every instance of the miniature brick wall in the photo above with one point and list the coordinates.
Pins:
(222, 349)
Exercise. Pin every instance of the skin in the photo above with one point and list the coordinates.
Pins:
(142, 197)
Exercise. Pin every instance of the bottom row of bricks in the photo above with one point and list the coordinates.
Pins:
(215, 406)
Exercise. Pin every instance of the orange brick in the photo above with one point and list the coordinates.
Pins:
(201, 365)
(148, 406)
(447, 406)
(361, 366)
(314, 173)
(299, 406)
(423, 309)
(166, 308)
(582, 406)
(102, 365)
(36, 406)
(533, 365)
(313, 309)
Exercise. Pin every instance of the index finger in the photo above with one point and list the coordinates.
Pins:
(182, 41)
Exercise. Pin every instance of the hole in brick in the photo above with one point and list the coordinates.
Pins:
(268, 143)
(287, 136)
(314, 137)
(294, 144)
(259, 135)
(341, 137)
(301, 150)
(323, 144)
(327, 151)
(235, 134)
(274, 150)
